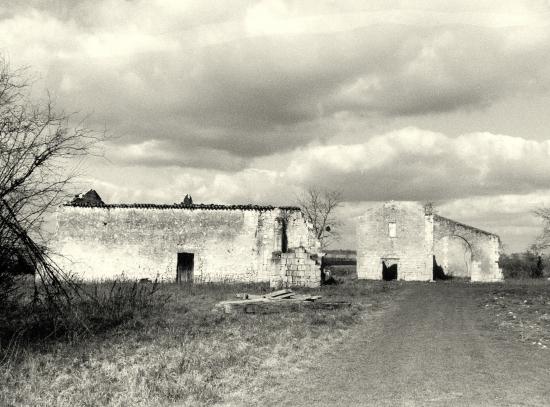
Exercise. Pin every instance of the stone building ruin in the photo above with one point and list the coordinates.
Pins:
(406, 241)
(187, 242)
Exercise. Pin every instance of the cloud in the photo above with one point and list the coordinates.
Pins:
(251, 79)
(417, 164)
(252, 101)
(405, 164)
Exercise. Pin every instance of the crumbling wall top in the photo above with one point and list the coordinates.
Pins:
(183, 206)
(439, 218)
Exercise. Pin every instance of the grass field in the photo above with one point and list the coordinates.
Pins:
(178, 350)
(170, 348)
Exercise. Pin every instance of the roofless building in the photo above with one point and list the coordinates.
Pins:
(187, 242)
(406, 241)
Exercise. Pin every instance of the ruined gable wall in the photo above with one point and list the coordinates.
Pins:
(485, 250)
(101, 243)
(412, 246)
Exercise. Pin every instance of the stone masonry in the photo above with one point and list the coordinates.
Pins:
(406, 235)
(227, 243)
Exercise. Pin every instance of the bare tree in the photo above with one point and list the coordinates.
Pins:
(36, 146)
(319, 207)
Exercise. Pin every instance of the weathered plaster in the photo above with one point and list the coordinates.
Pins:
(475, 253)
(142, 241)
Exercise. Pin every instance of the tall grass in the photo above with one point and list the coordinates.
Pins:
(164, 344)
(93, 310)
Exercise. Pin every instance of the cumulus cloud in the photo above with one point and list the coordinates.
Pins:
(417, 164)
(254, 78)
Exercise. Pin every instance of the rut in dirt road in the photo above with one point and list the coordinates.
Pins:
(430, 347)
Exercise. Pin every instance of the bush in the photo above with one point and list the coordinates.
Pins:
(111, 304)
(92, 310)
(522, 265)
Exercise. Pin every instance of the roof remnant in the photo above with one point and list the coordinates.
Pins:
(188, 200)
(89, 198)
(183, 206)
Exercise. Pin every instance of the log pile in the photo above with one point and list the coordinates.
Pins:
(276, 301)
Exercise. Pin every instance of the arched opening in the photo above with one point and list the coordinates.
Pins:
(459, 257)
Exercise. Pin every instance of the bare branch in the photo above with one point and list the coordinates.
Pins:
(319, 206)
(36, 145)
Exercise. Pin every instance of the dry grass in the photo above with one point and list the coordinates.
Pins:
(521, 309)
(178, 351)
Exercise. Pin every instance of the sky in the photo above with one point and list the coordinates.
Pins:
(254, 101)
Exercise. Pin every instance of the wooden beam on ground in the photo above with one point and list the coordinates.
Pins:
(278, 293)
(266, 306)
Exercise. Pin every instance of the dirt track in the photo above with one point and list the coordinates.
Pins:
(432, 346)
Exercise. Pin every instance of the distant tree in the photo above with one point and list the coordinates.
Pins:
(522, 265)
(36, 144)
(319, 207)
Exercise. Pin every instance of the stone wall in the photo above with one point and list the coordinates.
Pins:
(410, 249)
(465, 251)
(144, 241)
(296, 267)
(419, 237)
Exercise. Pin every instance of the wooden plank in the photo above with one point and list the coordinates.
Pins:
(246, 296)
(283, 296)
(278, 293)
(305, 297)
(252, 300)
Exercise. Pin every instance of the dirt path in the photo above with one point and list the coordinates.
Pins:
(430, 347)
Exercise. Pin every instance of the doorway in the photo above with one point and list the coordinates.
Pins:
(389, 270)
(184, 271)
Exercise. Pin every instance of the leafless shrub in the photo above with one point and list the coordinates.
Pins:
(40, 152)
(111, 304)
(319, 206)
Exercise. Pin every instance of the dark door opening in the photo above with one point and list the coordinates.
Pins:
(186, 263)
(389, 273)
(439, 272)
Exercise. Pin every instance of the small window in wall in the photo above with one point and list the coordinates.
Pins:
(284, 236)
(392, 229)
